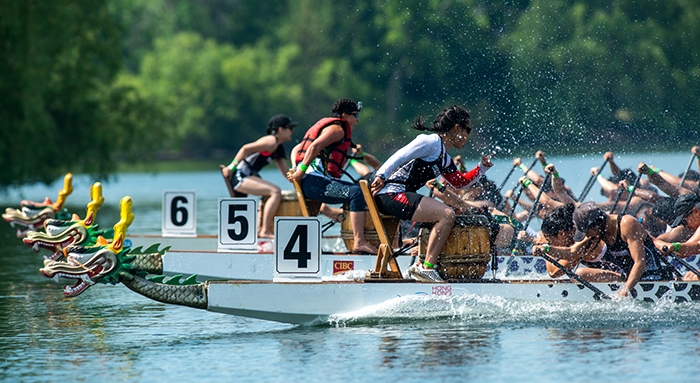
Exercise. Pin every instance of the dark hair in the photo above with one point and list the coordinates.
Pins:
(624, 174)
(691, 176)
(445, 120)
(560, 219)
(663, 209)
(344, 105)
(491, 192)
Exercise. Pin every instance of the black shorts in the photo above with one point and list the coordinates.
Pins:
(401, 205)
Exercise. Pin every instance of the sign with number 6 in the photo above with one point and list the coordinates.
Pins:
(297, 248)
(238, 224)
(179, 214)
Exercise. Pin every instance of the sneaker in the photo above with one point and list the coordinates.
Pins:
(424, 275)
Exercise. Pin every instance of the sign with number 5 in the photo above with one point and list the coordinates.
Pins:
(238, 224)
(297, 248)
(179, 214)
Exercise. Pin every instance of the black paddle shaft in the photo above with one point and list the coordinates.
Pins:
(681, 261)
(591, 181)
(598, 293)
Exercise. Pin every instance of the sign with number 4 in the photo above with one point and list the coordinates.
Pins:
(179, 214)
(297, 249)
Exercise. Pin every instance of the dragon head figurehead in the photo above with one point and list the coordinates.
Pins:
(84, 266)
(60, 234)
(31, 215)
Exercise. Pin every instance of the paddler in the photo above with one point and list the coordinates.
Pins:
(242, 172)
(320, 161)
(687, 210)
(629, 245)
(426, 157)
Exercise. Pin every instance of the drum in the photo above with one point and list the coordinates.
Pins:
(390, 225)
(467, 252)
(289, 207)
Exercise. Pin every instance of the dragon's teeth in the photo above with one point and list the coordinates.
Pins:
(36, 247)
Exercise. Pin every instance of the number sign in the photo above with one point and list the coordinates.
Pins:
(297, 248)
(238, 224)
(179, 214)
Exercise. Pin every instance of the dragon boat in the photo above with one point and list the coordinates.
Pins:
(32, 215)
(59, 234)
(298, 296)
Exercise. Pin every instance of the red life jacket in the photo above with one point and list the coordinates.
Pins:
(334, 156)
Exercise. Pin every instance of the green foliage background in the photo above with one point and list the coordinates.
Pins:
(86, 85)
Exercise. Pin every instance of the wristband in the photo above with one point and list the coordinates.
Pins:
(526, 182)
(676, 246)
(599, 177)
(555, 175)
(523, 168)
(233, 165)
(652, 171)
(303, 167)
(545, 165)
(630, 189)
(441, 188)
(546, 248)
(429, 265)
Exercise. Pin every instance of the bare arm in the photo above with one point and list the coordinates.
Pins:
(329, 135)
(633, 233)
(263, 144)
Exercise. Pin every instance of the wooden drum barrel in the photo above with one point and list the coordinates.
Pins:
(289, 207)
(468, 249)
(390, 225)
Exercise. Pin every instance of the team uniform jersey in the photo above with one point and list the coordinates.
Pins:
(411, 167)
(423, 159)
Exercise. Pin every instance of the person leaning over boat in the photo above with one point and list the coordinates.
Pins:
(243, 175)
(629, 245)
(320, 161)
(557, 240)
(687, 209)
(398, 179)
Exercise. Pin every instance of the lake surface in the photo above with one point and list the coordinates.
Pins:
(111, 333)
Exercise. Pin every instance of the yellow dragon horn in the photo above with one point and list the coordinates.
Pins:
(96, 201)
(127, 217)
(65, 192)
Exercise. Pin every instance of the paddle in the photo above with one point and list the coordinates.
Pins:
(507, 177)
(598, 294)
(681, 261)
(629, 197)
(617, 199)
(591, 181)
(537, 201)
(502, 205)
(531, 214)
(692, 158)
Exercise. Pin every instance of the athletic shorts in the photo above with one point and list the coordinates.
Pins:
(401, 205)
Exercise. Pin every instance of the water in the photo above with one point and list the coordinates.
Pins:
(111, 333)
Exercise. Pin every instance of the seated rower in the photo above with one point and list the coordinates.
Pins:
(688, 215)
(557, 240)
(243, 175)
(426, 157)
(320, 162)
(629, 245)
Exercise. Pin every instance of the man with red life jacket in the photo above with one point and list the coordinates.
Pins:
(320, 160)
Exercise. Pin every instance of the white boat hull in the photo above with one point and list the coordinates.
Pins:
(304, 303)
(208, 265)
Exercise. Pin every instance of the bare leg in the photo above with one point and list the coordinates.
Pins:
(431, 210)
(257, 186)
(357, 220)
